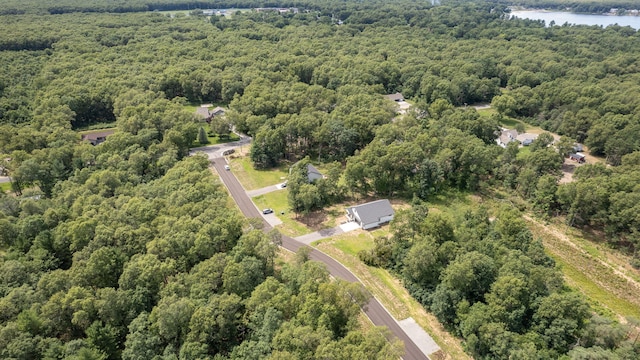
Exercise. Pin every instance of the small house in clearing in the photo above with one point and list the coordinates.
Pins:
(397, 97)
(371, 214)
(217, 111)
(96, 138)
(203, 112)
(577, 157)
(313, 174)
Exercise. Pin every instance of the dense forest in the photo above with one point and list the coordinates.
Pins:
(129, 249)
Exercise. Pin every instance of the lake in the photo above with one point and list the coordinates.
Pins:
(561, 17)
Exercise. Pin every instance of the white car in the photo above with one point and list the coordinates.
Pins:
(226, 167)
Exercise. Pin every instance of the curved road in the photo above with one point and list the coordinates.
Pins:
(374, 310)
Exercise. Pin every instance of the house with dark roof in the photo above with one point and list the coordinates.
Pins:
(217, 111)
(397, 97)
(96, 138)
(371, 214)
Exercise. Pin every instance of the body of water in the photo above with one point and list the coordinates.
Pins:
(561, 17)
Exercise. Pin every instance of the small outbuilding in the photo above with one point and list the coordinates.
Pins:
(97, 138)
(577, 157)
(217, 111)
(397, 97)
(371, 214)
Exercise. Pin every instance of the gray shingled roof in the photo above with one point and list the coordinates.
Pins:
(312, 170)
(372, 212)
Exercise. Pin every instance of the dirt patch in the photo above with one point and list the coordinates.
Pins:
(313, 220)
(568, 167)
(438, 355)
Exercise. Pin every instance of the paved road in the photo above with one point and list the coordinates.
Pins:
(215, 151)
(374, 310)
(4, 179)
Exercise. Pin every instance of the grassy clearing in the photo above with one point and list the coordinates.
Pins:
(252, 179)
(523, 151)
(487, 111)
(4, 187)
(214, 140)
(354, 242)
(278, 201)
(96, 128)
(387, 289)
(601, 275)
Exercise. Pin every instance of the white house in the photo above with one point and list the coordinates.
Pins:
(371, 214)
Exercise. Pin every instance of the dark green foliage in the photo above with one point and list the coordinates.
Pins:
(488, 282)
(127, 250)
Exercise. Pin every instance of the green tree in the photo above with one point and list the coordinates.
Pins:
(202, 136)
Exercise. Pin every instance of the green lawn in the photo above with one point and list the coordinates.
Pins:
(96, 128)
(524, 151)
(4, 187)
(600, 298)
(278, 201)
(352, 244)
(253, 179)
(487, 112)
(214, 140)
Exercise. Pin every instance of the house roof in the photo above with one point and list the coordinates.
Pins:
(395, 97)
(372, 211)
(97, 135)
(217, 111)
(312, 170)
(507, 136)
(203, 111)
(526, 136)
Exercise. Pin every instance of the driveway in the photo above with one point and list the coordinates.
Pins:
(378, 315)
(264, 190)
(319, 235)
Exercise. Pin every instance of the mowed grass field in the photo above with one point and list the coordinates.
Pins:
(278, 201)
(252, 179)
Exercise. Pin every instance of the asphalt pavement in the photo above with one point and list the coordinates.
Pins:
(374, 309)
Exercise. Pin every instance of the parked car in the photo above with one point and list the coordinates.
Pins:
(284, 184)
(267, 211)
(226, 167)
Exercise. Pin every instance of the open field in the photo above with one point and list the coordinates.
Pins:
(252, 179)
(4, 187)
(603, 275)
(278, 201)
(214, 139)
(97, 128)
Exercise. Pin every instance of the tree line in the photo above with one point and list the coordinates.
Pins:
(490, 282)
